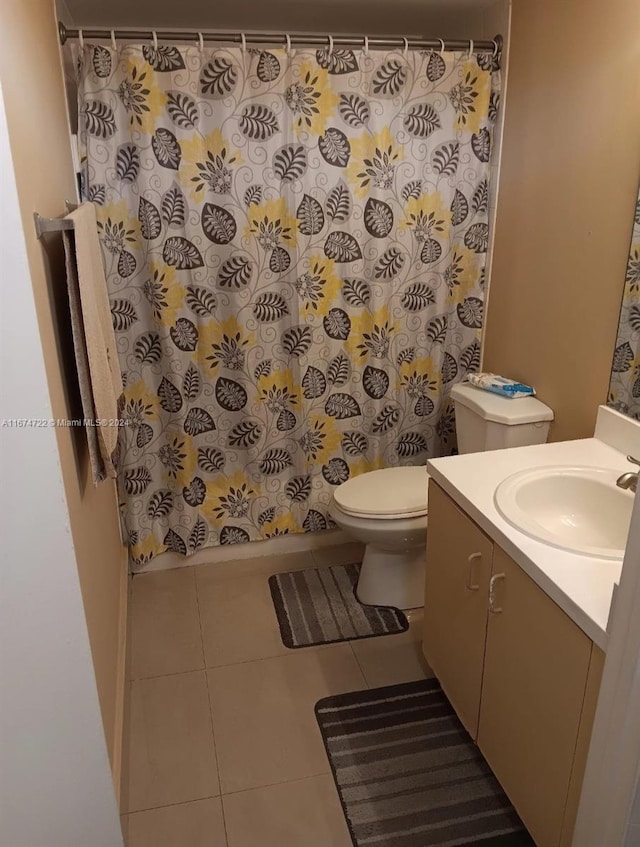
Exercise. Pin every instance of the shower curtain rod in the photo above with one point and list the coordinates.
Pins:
(272, 38)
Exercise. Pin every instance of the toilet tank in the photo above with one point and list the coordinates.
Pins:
(486, 421)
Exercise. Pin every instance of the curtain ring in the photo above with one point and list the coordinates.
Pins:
(200, 41)
(154, 39)
(406, 47)
(441, 46)
(470, 49)
(496, 49)
(287, 39)
(243, 39)
(365, 46)
(113, 41)
(330, 38)
(81, 39)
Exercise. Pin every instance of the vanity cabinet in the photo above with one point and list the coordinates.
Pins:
(527, 676)
(459, 558)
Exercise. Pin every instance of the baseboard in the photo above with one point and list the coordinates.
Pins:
(122, 677)
(281, 545)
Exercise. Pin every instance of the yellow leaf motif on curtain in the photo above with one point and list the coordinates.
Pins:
(177, 457)
(373, 162)
(228, 497)
(310, 98)
(207, 164)
(163, 293)
(319, 286)
(224, 344)
(272, 224)
(140, 95)
(461, 275)
(319, 440)
(143, 551)
(470, 97)
(141, 406)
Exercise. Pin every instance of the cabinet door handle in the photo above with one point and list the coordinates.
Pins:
(492, 593)
(470, 583)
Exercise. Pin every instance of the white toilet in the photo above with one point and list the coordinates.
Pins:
(387, 509)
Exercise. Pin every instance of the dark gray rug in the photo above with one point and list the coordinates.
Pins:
(319, 606)
(409, 775)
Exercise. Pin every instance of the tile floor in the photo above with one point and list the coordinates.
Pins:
(223, 747)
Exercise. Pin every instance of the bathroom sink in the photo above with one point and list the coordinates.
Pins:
(575, 508)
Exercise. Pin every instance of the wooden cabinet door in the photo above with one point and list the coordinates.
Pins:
(455, 608)
(535, 675)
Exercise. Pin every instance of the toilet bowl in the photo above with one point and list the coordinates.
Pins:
(387, 511)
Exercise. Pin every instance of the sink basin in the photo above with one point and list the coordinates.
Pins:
(575, 508)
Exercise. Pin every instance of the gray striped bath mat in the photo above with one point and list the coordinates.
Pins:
(319, 606)
(409, 775)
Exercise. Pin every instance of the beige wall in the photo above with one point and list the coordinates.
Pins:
(36, 113)
(568, 184)
(440, 18)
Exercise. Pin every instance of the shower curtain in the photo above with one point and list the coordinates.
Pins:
(295, 246)
(624, 389)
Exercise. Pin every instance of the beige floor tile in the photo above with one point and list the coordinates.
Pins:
(171, 752)
(263, 716)
(165, 630)
(238, 619)
(391, 659)
(341, 554)
(197, 824)
(306, 813)
(266, 565)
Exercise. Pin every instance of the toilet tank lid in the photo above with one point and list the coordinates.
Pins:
(503, 410)
(390, 491)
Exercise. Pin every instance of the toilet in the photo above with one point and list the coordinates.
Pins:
(387, 509)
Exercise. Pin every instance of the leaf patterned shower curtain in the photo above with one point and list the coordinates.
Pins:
(295, 249)
(624, 388)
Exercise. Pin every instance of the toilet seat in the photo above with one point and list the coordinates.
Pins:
(390, 493)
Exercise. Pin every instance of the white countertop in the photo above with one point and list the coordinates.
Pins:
(581, 585)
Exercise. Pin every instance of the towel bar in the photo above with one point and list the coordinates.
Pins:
(44, 225)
